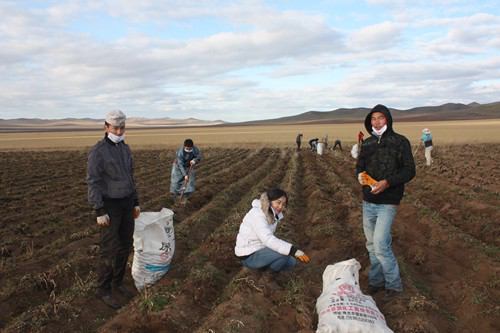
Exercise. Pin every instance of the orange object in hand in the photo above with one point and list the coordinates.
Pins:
(366, 179)
(302, 256)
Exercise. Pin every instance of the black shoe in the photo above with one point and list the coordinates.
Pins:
(391, 294)
(106, 298)
(124, 291)
(372, 290)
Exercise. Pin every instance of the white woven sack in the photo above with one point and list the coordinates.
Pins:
(342, 307)
(154, 245)
(355, 151)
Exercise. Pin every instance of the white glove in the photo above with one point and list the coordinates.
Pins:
(192, 162)
(103, 220)
(137, 212)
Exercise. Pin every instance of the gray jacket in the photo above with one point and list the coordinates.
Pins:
(182, 159)
(110, 174)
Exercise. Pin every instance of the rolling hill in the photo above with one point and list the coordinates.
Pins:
(449, 111)
(70, 124)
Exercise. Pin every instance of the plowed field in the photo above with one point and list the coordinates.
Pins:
(446, 237)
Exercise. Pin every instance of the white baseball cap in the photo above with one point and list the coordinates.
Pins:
(116, 118)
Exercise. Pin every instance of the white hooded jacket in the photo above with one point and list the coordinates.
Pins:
(257, 233)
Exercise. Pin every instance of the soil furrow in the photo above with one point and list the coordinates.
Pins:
(210, 260)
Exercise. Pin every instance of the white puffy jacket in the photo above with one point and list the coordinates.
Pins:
(256, 233)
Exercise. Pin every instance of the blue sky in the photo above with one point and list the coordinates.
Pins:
(243, 60)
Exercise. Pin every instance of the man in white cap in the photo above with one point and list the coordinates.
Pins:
(427, 140)
(112, 193)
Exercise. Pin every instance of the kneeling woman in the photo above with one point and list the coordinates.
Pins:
(256, 245)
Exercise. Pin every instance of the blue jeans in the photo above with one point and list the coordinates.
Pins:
(377, 223)
(267, 257)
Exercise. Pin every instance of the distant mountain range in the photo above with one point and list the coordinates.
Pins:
(449, 111)
(66, 124)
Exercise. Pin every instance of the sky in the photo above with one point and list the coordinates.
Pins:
(243, 60)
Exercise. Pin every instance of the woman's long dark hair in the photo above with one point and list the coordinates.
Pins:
(276, 193)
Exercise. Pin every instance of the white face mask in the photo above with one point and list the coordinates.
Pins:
(116, 138)
(188, 150)
(380, 131)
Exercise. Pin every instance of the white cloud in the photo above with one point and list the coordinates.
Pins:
(376, 37)
(243, 68)
(474, 34)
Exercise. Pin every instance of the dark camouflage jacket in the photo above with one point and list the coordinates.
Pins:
(387, 157)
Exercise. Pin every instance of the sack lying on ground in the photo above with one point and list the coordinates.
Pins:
(355, 151)
(320, 148)
(342, 307)
(154, 245)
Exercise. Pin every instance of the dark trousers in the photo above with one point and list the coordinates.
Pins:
(337, 143)
(116, 243)
(298, 145)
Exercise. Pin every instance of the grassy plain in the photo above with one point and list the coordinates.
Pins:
(444, 132)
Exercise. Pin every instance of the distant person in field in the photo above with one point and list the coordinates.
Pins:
(361, 136)
(183, 176)
(113, 195)
(337, 143)
(313, 143)
(427, 141)
(356, 149)
(256, 245)
(325, 141)
(298, 140)
(384, 165)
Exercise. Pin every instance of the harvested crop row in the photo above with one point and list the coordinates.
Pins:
(208, 264)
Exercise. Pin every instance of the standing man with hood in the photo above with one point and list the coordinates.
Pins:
(384, 165)
(112, 193)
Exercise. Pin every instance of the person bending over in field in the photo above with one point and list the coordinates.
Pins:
(384, 165)
(183, 176)
(337, 143)
(112, 193)
(256, 245)
(313, 143)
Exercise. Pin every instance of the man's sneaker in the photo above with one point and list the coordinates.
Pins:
(106, 298)
(372, 290)
(124, 291)
(391, 294)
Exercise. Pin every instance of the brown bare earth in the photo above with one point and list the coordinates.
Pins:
(446, 238)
